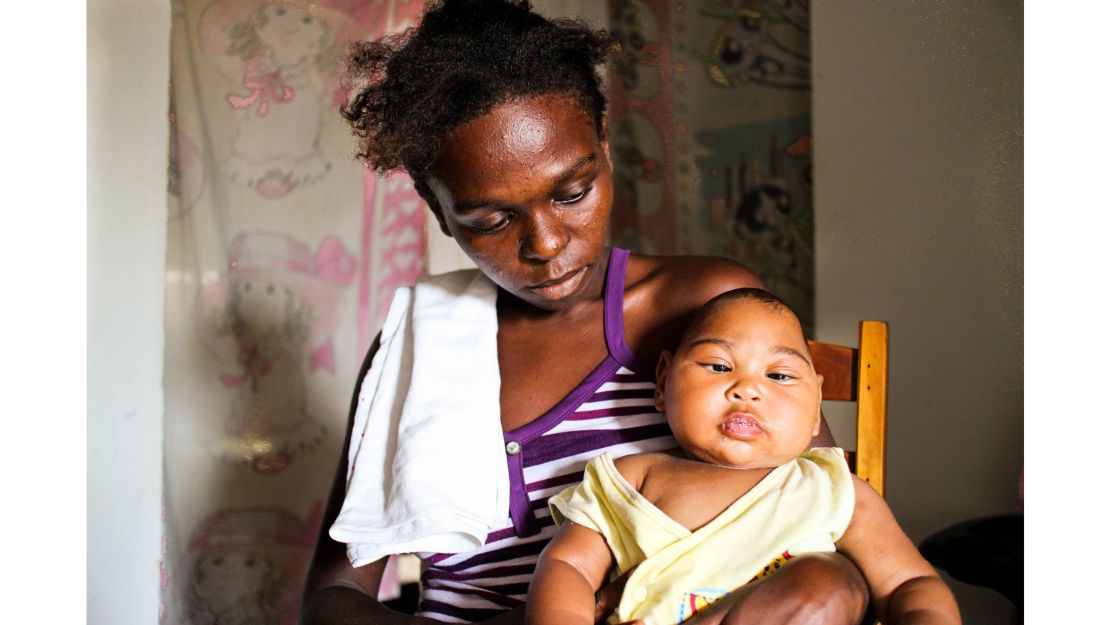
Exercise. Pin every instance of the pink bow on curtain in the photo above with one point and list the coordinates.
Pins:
(254, 367)
(263, 86)
(336, 265)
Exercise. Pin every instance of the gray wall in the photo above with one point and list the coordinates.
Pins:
(918, 163)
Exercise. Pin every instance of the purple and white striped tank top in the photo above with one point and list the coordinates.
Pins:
(611, 410)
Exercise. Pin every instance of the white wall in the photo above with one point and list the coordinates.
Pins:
(128, 75)
(918, 143)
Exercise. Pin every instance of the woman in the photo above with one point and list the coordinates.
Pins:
(498, 116)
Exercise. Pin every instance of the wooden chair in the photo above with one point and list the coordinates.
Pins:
(859, 374)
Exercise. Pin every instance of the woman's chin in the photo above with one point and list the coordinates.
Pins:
(578, 286)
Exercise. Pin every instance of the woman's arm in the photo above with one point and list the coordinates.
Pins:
(336, 592)
(905, 589)
(570, 571)
(812, 588)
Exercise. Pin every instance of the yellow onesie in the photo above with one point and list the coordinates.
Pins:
(803, 506)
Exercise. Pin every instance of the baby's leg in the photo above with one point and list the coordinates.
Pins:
(814, 588)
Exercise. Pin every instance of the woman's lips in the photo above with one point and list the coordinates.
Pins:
(560, 287)
(741, 427)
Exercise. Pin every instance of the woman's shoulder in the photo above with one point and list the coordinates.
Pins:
(687, 282)
(662, 293)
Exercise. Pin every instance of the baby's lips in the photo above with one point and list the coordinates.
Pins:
(741, 427)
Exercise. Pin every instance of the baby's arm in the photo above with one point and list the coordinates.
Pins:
(904, 588)
(571, 569)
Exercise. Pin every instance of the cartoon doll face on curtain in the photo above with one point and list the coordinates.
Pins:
(244, 569)
(278, 304)
(284, 57)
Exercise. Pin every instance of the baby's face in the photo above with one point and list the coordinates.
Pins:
(741, 390)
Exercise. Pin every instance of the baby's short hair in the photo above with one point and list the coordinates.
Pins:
(749, 294)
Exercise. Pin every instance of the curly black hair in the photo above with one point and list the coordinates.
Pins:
(465, 57)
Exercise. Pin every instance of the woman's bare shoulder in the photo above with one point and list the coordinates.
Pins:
(662, 293)
(688, 281)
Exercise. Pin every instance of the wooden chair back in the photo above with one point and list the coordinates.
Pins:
(859, 374)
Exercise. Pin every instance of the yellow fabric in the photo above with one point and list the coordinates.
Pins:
(803, 506)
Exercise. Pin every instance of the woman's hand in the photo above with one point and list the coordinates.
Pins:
(813, 588)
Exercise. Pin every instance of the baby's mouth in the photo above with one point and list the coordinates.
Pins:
(741, 426)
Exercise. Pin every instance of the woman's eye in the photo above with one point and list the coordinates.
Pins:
(489, 227)
(574, 199)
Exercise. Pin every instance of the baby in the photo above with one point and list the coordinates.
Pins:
(740, 497)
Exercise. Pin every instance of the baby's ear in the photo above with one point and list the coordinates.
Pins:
(817, 425)
(661, 379)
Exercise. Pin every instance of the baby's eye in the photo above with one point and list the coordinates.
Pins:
(716, 367)
(780, 377)
(574, 199)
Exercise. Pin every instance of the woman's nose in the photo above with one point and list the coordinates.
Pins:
(545, 239)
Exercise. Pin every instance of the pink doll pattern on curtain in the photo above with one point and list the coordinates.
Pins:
(185, 176)
(279, 304)
(285, 55)
(246, 567)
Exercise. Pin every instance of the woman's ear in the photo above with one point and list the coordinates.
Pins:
(425, 193)
(661, 379)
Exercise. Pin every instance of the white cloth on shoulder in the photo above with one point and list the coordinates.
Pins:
(426, 464)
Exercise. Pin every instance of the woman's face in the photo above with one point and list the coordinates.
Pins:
(526, 191)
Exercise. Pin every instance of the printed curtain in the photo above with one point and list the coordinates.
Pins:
(710, 135)
(283, 254)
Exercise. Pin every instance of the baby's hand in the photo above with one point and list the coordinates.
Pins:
(609, 597)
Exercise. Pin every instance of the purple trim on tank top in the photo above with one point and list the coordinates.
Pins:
(520, 509)
(614, 316)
